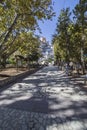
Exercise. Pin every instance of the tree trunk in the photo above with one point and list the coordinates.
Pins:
(3, 62)
(9, 31)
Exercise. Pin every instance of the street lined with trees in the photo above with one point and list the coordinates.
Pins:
(48, 99)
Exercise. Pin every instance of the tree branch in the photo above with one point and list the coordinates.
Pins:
(10, 30)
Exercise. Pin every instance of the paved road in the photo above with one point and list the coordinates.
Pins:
(46, 100)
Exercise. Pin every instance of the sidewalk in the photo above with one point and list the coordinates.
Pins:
(45, 100)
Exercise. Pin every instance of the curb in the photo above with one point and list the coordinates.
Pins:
(18, 77)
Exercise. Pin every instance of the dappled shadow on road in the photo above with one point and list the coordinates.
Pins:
(59, 95)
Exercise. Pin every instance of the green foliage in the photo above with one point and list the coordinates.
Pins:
(80, 12)
(50, 60)
(11, 61)
(62, 37)
(16, 19)
(68, 39)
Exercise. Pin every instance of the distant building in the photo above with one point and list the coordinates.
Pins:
(46, 50)
(43, 39)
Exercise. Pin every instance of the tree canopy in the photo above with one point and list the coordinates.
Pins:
(18, 18)
(70, 37)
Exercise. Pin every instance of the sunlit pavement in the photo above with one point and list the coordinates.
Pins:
(46, 100)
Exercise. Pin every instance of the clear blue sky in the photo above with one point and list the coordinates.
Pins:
(48, 27)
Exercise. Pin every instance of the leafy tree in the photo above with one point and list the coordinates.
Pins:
(30, 47)
(62, 36)
(80, 12)
(18, 17)
(68, 40)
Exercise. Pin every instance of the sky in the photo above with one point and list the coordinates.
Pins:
(48, 27)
